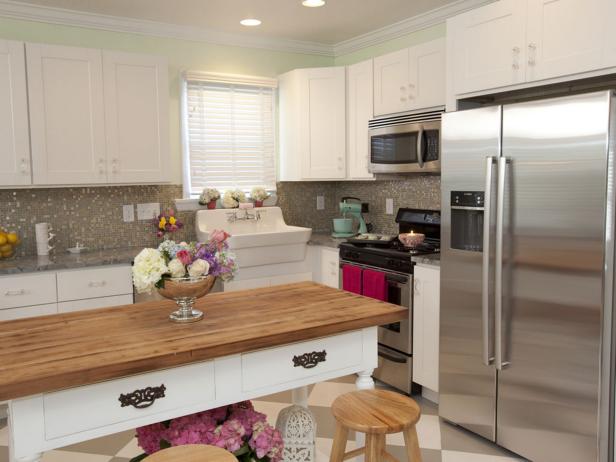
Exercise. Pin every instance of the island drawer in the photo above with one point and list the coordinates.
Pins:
(27, 290)
(95, 406)
(300, 360)
(94, 282)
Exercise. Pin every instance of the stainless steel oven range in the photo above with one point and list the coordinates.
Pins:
(396, 262)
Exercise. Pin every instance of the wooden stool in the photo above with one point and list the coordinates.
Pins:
(376, 413)
(192, 453)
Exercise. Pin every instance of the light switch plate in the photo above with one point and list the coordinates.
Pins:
(389, 206)
(128, 213)
(148, 211)
(320, 202)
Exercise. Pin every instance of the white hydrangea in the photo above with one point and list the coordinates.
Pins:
(177, 269)
(148, 269)
(198, 268)
(229, 202)
(259, 193)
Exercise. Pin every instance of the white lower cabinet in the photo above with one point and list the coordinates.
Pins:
(39, 294)
(257, 283)
(426, 318)
(329, 274)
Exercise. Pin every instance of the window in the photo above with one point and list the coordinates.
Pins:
(229, 133)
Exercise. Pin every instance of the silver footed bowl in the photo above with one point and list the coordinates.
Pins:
(185, 292)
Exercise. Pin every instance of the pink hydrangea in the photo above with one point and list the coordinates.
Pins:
(149, 437)
(266, 441)
(229, 435)
(192, 429)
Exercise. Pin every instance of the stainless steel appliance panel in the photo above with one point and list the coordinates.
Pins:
(467, 385)
(395, 369)
(554, 170)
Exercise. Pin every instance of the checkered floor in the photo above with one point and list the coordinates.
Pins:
(440, 442)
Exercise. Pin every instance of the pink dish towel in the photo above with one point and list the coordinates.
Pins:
(375, 285)
(351, 279)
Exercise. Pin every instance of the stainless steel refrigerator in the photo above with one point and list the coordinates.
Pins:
(527, 276)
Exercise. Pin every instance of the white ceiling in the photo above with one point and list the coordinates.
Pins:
(335, 22)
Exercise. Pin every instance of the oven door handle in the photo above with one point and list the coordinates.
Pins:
(394, 278)
(392, 358)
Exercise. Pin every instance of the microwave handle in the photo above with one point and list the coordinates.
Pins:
(420, 147)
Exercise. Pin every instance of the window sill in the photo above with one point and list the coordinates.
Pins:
(192, 204)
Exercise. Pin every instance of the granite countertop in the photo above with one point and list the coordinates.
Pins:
(325, 239)
(428, 260)
(67, 260)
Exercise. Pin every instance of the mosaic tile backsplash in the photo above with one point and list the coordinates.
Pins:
(92, 216)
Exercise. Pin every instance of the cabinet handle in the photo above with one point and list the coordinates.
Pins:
(516, 58)
(24, 166)
(403, 99)
(143, 398)
(309, 360)
(97, 283)
(532, 54)
(101, 166)
(115, 163)
(402, 88)
(13, 293)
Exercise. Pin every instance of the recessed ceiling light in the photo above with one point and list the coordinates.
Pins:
(313, 3)
(250, 22)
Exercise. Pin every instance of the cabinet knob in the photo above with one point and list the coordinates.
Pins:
(402, 99)
(515, 66)
(24, 166)
(532, 54)
(402, 88)
(411, 85)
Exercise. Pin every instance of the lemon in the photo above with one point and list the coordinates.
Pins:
(3, 239)
(6, 248)
(13, 238)
(6, 254)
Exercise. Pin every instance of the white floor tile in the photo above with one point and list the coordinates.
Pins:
(455, 456)
(324, 394)
(4, 436)
(270, 409)
(65, 456)
(324, 448)
(130, 450)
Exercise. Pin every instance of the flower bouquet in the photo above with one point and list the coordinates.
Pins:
(258, 195)
(167, 223)
(209, 197)
(237, 428)
(184, 272)
(233, 199)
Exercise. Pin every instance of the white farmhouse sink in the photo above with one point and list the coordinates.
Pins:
(266, 241)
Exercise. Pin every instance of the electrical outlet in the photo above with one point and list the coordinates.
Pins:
(320, 202)
(148, 211)
(128, 213)
(389, 206)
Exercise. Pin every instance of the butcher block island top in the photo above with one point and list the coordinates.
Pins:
(50, 353)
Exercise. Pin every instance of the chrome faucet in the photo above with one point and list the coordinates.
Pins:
(234, 216)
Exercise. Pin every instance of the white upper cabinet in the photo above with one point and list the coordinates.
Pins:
(137, 117)
(14, 137)
(313, 124)
(391, 83)
(427, 75)
(66, 115)
(609, 42)
(562, 37)
(410, 79)
(487, 46)
(360, 110)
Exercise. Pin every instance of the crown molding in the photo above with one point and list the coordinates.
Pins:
(406, 26)
(28, 12)
(24, 11)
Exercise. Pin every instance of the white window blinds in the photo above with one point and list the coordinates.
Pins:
(230, 134)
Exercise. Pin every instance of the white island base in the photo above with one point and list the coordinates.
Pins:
(53, 420)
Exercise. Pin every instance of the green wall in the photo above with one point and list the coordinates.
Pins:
(421, 36)
(182, 55)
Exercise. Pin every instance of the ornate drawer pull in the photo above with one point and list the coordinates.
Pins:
(141, 399)
(309, 360)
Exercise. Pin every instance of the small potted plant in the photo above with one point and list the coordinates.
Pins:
(258, 195)
(233, 198)
(208, 197)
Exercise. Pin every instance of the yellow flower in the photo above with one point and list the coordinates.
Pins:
(162, 223)
(172, 220)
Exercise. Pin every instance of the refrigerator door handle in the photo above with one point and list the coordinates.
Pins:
(498, 270)
(487, 344)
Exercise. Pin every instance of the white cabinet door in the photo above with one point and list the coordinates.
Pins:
(391, 83)
(609, 42)
(427, 75)
(488, 46)
(10, 314)
(426, 318)
(66, 114)
(137, 117)
(564, 37)
(330, 267)
(14, 136)
(323, 123)
(360, 109)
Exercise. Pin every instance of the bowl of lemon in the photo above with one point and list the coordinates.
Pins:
(8, 243)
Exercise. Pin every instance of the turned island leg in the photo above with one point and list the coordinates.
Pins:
(364, 382)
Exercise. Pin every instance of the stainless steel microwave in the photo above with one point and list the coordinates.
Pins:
(406, 144)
